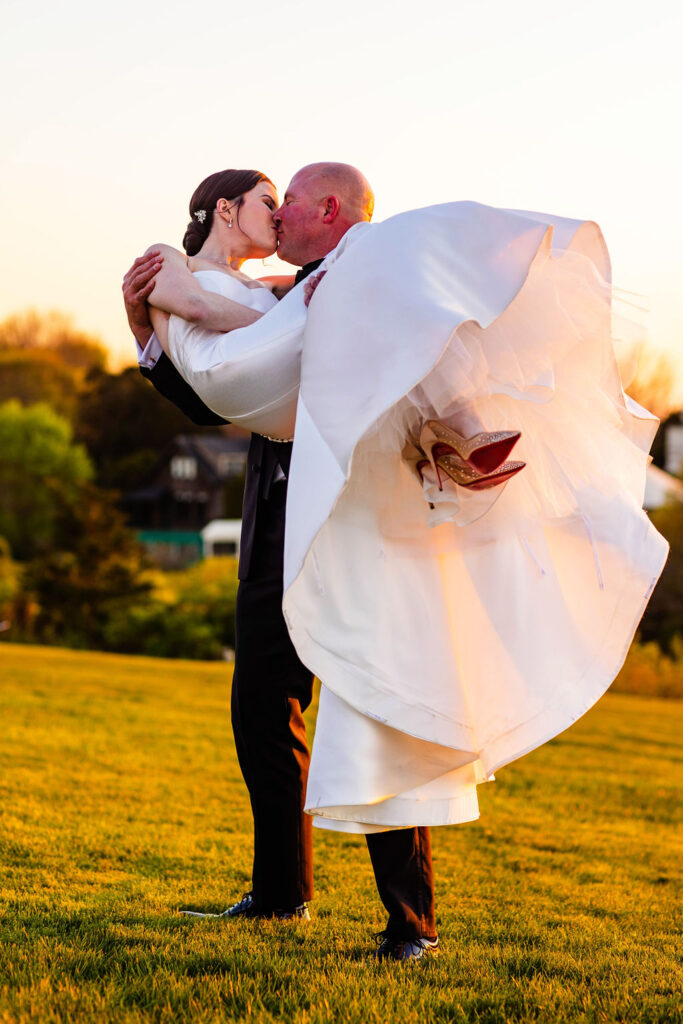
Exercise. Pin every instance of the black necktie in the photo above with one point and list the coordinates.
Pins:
(307, 269)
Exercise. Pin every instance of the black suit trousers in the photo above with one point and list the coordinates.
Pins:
(271, 690)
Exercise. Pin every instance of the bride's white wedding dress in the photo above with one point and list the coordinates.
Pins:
(449, 641)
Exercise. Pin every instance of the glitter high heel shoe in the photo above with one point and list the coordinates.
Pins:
(464, 476)
(484, 452)
(458, 471)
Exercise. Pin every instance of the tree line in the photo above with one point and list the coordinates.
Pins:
(74, 435)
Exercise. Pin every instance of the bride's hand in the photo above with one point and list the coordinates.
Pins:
(138, 284)
(310, 285)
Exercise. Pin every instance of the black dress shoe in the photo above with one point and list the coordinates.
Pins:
(243, 908)
(391, 948)
(246, 907)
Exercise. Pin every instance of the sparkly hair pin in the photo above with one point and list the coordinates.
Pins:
(200, 215)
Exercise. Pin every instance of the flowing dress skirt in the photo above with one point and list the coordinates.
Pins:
(452, 640)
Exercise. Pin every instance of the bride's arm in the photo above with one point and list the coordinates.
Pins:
(177, 291)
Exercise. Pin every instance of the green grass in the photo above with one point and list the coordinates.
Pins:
(121, 800)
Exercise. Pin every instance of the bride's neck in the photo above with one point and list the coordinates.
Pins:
(221, 254)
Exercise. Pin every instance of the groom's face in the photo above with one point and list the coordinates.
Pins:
(302, 234)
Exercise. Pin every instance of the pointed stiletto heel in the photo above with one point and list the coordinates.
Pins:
(416, 459)
(418, 462)
(464, 476)
(484, 452)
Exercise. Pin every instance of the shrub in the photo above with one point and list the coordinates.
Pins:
(209, 588)
(191, 614)
(161, 630)
(96, 567)
(650, 672)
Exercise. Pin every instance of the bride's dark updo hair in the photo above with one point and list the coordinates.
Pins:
(221, 185)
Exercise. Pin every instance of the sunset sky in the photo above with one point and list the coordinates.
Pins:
(110, 120)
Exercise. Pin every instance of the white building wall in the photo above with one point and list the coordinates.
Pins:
(222, 537)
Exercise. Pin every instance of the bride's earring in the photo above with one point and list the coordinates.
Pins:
(230, 223)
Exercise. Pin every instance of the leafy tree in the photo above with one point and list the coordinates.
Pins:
(121, 419)
(37, 456)
(33, 375)
(125, 423)
(663, 619)
(9, 584)
(44, 358)
(96, 569)
(53, 331)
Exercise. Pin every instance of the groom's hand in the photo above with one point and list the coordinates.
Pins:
(310, 285)
(138, 284)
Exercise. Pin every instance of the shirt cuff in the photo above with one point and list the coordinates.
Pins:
(149, 355)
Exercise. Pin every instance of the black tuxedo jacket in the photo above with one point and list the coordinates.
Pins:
(263, 458)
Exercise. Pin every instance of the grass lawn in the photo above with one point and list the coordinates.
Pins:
(121, 800)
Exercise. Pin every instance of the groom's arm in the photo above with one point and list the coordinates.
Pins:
(175, 388)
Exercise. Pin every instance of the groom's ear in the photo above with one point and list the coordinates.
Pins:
(330, 206)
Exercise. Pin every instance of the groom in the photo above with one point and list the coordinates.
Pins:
(271, 686)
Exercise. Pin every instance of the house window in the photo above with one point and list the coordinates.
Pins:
(230, 463)
(673, 448)
(183, 467)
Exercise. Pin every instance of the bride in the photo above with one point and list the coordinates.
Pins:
(221, 235)
(454, 629)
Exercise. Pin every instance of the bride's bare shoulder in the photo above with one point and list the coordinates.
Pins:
(166, 250)
(169, 253)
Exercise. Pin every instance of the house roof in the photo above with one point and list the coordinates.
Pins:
(216, 451)
(217, 454)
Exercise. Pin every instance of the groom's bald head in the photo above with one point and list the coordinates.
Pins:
(346, 182)
(322, 202)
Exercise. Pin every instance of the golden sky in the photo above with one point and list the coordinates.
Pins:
(111, 118)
